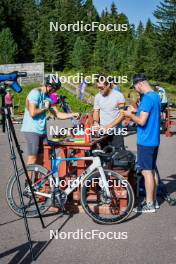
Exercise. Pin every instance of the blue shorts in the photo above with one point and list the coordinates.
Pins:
(146, 157)
(163, 107)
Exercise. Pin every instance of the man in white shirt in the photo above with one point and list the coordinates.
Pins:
(107, 105)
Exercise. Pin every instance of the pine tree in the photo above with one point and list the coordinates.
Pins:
(140, 29)
(8, 47)
(47, 46)
(166, 15)
(80, 58)
(20, 16)
(113, 10)
(2, 16)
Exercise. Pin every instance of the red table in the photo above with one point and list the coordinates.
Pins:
(64, 150)
(80, 149)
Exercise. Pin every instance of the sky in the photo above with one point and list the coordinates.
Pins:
(135, 10)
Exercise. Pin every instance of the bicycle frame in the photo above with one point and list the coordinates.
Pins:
(96, 164)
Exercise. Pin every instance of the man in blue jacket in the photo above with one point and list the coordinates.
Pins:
(148, 138)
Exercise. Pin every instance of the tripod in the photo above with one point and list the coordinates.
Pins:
(12, 138)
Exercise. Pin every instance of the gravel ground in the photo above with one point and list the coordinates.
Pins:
(151, 239)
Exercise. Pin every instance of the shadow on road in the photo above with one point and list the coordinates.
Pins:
(12, 221)
(23, 255)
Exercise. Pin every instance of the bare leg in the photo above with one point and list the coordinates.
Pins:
(31, 160)
(156, 184)
(149, 185)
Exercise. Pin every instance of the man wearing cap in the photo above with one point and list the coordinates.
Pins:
(34, 122)
(148, 138)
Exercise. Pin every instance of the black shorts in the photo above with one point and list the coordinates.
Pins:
(163, 106)
(9, 105)
(146, 157)
(35, 143)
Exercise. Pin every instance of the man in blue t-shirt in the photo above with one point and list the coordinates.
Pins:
(148, 138)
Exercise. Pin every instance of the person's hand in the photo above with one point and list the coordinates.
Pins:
(76, 115)
(122, 112)
(127, 113)
(46, 104)
(132, 109)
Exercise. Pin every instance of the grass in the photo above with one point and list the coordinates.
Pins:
(19, 99)
(74, 102)
(91, 88)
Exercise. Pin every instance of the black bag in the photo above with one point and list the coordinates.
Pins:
(123, 158)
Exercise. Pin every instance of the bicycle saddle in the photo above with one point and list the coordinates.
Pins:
(105, 154)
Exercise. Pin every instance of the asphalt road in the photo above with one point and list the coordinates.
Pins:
(151, 239)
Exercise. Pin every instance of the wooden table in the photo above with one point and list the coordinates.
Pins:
(64, 150)
(80, 151)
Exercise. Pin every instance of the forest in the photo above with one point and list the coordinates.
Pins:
(25, 36)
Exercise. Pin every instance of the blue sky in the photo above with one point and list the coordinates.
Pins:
(135, 10)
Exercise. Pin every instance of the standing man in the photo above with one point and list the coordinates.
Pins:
(163, 97)
(148, 138)
(34, 121)
(107, 104)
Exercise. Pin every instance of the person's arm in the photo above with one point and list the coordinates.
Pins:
(32, 102)
(61, 115)
(140, 120)
(96, 112)
(96, 117)
(145, 109)
(35, 111)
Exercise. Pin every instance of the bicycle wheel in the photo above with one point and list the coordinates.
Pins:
(12, 195)
(98, 206)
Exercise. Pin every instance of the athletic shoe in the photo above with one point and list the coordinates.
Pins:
(156, 205)
(145, 208)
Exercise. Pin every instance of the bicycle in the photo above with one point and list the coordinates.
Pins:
(101, 189)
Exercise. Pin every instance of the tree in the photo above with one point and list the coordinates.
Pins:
(166, 31)
(113, 10)
(140, 29)
(20, 16)
(166, 13)
(80, 57)
(8, 47)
